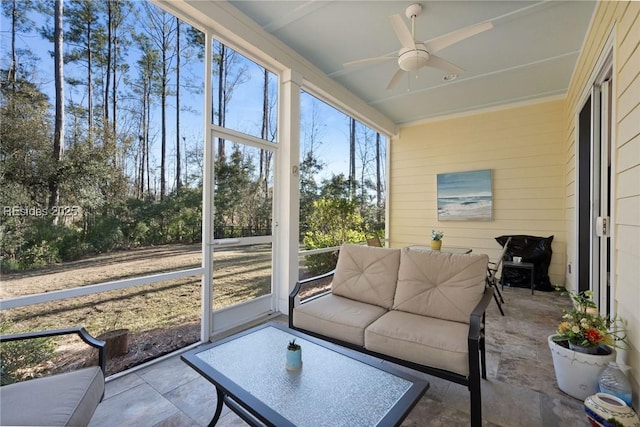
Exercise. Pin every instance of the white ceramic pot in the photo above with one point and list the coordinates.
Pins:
(601, 408)
(577, 373)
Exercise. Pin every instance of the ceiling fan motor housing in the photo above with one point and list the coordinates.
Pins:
(413, 10)
(413, 59)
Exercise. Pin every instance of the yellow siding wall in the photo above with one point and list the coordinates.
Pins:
(531, 150)
(524, 146)
(625, 17)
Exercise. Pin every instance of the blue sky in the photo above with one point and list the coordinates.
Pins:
(245, 108)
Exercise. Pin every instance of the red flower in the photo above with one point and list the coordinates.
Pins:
(593, 335)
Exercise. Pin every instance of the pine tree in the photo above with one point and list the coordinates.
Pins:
(161, 32)
(86, 39)
(58, 133)
(17, 12)
(178, 157)
(352, 157)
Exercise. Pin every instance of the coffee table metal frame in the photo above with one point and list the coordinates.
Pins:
(257, 413)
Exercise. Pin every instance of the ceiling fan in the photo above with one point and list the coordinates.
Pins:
(414, 54)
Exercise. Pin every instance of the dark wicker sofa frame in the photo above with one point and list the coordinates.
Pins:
(476, 343)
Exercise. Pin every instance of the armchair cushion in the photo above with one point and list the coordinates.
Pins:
(440, 285)
(368, 274)
(66, 399)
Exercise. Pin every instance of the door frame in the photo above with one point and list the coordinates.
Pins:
(601, 178)
(246, 311)
(214, 322)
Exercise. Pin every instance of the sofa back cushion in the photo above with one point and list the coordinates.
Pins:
(441, 285)
(367, 274)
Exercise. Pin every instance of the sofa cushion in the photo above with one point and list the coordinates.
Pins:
(337, 317)
(441, 285)
(425, 340)
(67, 399)
(367, 274)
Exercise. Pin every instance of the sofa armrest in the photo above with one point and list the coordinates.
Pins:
(296, 290)
(476, 319)
(78, 330)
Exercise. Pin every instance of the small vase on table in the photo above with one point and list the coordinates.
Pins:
(294, 356)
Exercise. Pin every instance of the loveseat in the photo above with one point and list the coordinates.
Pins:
(418, 308)
(64, 399)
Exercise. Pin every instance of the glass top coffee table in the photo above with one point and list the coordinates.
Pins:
(335, 387)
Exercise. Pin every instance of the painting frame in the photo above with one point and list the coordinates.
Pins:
(465, 196)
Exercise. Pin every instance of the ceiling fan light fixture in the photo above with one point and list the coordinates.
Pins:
(415, 55)
(413, 59)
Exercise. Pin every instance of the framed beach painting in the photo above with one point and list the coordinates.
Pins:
(465, 196)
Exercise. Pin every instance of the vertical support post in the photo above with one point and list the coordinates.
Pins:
(207, 197)
(287, 194)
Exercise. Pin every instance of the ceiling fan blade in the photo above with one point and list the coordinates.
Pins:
(439, 43)
(369, 60)
(442, 64)
(395, 79)
(403, 33)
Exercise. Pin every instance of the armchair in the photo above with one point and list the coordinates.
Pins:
(63, 399)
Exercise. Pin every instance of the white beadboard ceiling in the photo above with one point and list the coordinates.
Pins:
(529, 54)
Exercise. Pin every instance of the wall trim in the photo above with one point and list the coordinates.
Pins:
(501, 107)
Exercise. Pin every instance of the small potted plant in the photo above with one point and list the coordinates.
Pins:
(436, 239)
(294, 356)
(584, 329)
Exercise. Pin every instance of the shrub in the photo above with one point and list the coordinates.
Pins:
(332, 222)
(38, 255)
(105, 234)
(16, 356)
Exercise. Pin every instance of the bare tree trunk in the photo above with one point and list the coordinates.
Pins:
(378, 179)
(186, 162)
(114, 97)
(178, 165)
(143, 140)
(58, 134)
(140, 179)
(107, 83)
(221, 99)
(352, 157)
(13, 68)
(89, 84)
(163, 136)
(147, 119)
(264, 132)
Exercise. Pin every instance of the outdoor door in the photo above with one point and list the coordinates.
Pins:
(242, 243)
(594, 184)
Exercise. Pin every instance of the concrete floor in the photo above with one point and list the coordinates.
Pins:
(520, 389)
